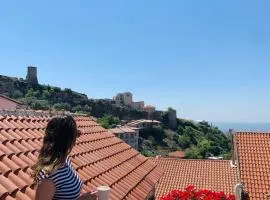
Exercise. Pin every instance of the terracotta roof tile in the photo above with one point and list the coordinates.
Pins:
(98, 156)
(216, 175)
(254, 162)
(177, 154)
(8, 99)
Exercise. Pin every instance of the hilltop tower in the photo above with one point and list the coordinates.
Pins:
(31, 76)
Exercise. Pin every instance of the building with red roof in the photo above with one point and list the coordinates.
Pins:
(99, 157)
(247, 175)
(127, 134)
(7, 103)
(214, 175)
(177, 154)
(252, 158)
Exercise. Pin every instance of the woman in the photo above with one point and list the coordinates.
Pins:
(53, 171)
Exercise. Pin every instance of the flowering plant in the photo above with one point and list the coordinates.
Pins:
(191, 193)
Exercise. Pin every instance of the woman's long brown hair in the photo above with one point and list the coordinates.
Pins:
(60, 137)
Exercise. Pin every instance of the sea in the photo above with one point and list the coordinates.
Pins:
(258, 127)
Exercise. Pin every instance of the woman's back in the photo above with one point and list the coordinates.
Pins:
(53, 171)
(66, 181)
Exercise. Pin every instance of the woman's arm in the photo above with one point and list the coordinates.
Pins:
(45, 190)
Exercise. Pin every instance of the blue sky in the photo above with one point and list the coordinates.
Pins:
(207, 59)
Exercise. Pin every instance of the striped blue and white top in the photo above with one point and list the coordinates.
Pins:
(66, 180)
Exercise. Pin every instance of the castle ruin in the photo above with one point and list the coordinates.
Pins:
(31, 76)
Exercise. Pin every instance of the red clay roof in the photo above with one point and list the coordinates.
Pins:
(253, 152)
(177, 154)
(1, 95)
(8, 103)
(216, 175)
(99, 158)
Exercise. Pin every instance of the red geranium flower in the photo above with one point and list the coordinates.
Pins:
(190, 193)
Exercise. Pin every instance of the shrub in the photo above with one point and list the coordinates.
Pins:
(190, 193)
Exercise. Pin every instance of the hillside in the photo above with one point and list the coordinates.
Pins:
(45, 97)
(198, 140)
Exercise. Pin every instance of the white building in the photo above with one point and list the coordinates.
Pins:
(143, 123)
(127, 134)
(124, 99)
(149, 108)
(138, 105)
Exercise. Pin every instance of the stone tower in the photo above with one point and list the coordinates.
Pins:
(31, 76)
(172, 118)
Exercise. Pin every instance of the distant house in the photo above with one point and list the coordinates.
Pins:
(130, 136)
(139, 105)
(143, 123)
(126, 99)
(7, 103)
(123, 99)
(149, 108)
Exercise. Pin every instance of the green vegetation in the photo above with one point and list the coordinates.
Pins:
(45, 97)
(198, 140)
(109, 121)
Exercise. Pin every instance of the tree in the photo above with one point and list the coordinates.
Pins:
(46, 94)
(184, 141)
(68, 91)
(30, 93)
(37, 93)
(193, 134)
(87, 108)
(171, 144)
(193, 153)
(155, 132)
(77, 108)
(204, 147)
(109, 121)
(62, 106)
(180, 130)
(40, 105)
(17, 94)
(57, 89)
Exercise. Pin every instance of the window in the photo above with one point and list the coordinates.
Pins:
(131, 136)
(121, 135)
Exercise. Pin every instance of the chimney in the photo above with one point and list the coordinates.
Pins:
(233, 163)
